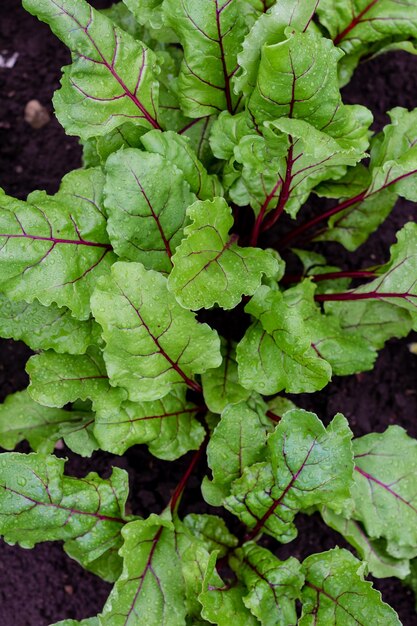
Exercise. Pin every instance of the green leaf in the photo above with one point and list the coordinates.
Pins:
(112, 79)
(273, 585)
(168, 426)
(237, 442)
(346, 353)
(57, 379)
(280, 171)
(216, 30)
(212, 531)
(43, 328)
(39, 503)
(151, 588)
(395, 285)
(269, 29)
(221, 385)
(335, 592)
(178, 150)
(276, 352)
(392, 172)
(384, 488)
(54, 248)
(304, 85)
(152, 343)
(147, 198)
(373, 551)
(223, 604)
(309, 465)
(361, 22)
(209, 267)
(21, 418)
(374, 321)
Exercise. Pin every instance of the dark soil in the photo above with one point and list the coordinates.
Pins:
(43, 585)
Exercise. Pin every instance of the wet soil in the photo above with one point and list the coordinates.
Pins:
(41, 586)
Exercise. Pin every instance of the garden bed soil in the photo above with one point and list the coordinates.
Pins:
(43, 585)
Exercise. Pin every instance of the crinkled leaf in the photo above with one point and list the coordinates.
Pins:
(98, 149)
(384, 488)
(57, 379)
(152, 343)
(346, 353)
(335, 592)
(209, 267)
(212, 531)
(355, 24)
(279, 172)
(54, 248)
(39, 503)
(146, 198)
(216, 29)
(373, 551)
(223, 604)
(374, 321)
(273, 585)
(221, 385)
(178, 150)
(168, 426)
(43, 328)
(298, 79)
(194, 557)
(276, 352)
(396, 282)
(227, 132)
(269, 29)
(309, 465)
(392, 172)
(21, 418)
(113, 77)
(150, 589)
(237, 442)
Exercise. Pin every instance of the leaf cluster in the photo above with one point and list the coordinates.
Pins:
(204, 123)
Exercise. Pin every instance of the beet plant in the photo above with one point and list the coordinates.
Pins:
(153, 289)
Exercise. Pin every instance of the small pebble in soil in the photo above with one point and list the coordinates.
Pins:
(36, 115)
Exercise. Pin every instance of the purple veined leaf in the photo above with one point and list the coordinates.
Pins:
(146, 199)
(151, 587)
(384, 489)
(269, 29)
(216, 29)
(395, 284)
(169, 426)
(273, 585)
(39, 504)
(54, 248)
(44, 328)
(223, 603)
(153, 345)
(113, 77)
(335, 592)
(21, 418)
(209, 267)
(373, 551)
(309, 465)
(363, 22)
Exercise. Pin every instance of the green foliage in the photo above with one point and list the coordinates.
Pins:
(153, 289)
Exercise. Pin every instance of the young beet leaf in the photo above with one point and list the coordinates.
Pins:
(113, 77)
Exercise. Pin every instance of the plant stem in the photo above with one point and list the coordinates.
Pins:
(291, 278)
(351, 296)
(179, 489)
(295, 234)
